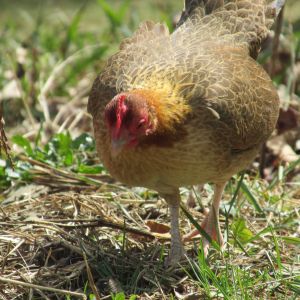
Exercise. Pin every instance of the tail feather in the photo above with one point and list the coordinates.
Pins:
(211, 5)
(241, 21)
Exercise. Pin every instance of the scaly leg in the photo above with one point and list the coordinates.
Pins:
(177, 250)
(211, 223)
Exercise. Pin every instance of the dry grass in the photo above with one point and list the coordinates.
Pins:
(95, 240)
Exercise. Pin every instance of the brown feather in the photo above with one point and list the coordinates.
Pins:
(214, 104)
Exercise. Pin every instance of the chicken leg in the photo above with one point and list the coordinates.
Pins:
(211, 223)
(177, 251)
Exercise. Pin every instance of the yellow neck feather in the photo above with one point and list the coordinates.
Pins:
(169, 108)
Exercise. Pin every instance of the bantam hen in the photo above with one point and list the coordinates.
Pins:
(191, 107)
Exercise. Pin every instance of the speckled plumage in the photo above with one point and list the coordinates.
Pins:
(222, 104)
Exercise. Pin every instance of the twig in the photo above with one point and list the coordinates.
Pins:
(90, 277)
(84, 224)
(41, 287)
(3, 139)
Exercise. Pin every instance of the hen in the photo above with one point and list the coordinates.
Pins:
(191, 107)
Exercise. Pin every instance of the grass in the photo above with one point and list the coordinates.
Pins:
(67, 225)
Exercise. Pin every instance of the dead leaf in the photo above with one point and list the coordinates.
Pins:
(191, 296)
(281, 149)
(157, 227)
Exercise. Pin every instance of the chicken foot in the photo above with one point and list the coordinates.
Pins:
(177, 250)
(211, 223)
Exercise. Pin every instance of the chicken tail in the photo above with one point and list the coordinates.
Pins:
(241, 21)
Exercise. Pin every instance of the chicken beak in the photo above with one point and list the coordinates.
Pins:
(117, 146)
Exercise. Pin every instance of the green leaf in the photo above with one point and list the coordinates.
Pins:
(240, 231)
(59, 149)
(92, 297)
(90, 169)
(62, 142)
(24, 143)
(84, 142)
(119, 296)
(68, 160)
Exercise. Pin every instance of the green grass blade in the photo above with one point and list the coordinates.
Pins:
(259, 234)
(251, 198)
(73, 29)
(278, 256)
(200, 229)
(236, 193)
(124, 8)
(291, 240)
(110, 13)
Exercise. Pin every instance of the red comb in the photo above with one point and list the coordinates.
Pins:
(121, 110)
